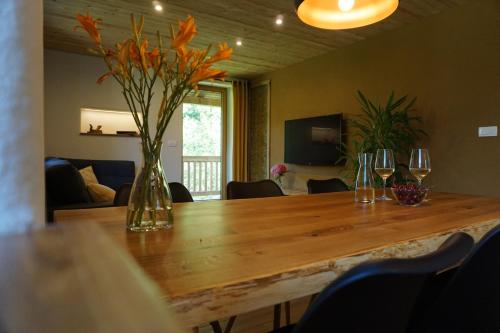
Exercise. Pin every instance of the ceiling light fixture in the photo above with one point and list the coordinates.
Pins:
(239, 42)
(279, 20)
(157, 6)
(344, 14)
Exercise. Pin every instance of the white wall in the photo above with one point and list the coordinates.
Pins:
(70, 84)
(21, 106)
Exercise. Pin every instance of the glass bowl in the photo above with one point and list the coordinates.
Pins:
(411, 195)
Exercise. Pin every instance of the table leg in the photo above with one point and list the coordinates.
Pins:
(277, 317)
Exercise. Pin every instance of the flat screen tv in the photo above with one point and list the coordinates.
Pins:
(314, 141)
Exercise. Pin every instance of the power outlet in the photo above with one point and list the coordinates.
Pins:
(488, 131)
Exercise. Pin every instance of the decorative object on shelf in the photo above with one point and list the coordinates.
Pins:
(91, 130)
(344, 14)
(390, 126)
(409, 194)
(277, 171)
(139, 69)
(365, 185)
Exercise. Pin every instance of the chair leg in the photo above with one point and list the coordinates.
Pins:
(216, 326)
(277, 317)
(287, 312)
(230, 324)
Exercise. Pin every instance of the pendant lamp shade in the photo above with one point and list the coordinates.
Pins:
(344, 14)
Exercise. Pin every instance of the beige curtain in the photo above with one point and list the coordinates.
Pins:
(240, 131)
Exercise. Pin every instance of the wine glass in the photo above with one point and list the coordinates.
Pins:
(420, 164)
(384, 167)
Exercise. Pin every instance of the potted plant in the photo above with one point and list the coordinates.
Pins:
(390, 126)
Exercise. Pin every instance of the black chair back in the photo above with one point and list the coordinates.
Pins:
(325, 186)
(179, 193)
(260, 189)
(380, 296)
(122, 195)
(470, 302)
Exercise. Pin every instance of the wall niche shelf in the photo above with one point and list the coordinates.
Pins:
(109, 122)
(109, 134)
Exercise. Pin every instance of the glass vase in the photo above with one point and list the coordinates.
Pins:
(365, 184)
(150, 202)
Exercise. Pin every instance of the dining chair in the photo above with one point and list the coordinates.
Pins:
(381, 295)
(260, 189)
(470, 302)
(247, 190)
(179, 193)
(326, 186)
(122, 195)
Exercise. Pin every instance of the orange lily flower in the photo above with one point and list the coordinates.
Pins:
(143, 52)
(198, 57)
(187, 30)
(184, 58)
(204, 73)
(134, 54)
(89, 25)
(154, 57)
(105, 76)
(223, 53)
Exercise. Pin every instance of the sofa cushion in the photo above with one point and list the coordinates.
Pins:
(88, 175)
(101, 193)
(64, 184)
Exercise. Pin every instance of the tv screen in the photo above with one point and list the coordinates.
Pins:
(314, 141)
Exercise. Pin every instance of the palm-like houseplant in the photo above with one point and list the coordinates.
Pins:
(389, 126)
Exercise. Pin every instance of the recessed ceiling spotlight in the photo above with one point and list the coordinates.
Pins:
(279, 20)
(157, 6)
(239, 42)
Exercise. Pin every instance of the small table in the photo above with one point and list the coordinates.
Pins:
(224, 258)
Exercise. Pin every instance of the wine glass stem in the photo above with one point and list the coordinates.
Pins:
(384, 180)
(419, 181)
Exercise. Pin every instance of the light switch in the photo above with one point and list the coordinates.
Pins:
(172, 143)
(488, 131)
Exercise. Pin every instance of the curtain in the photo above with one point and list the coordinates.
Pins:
(240, 131)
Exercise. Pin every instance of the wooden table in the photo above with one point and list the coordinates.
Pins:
(74, 279)
(224, 258)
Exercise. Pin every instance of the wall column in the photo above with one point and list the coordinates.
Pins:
(22, 198)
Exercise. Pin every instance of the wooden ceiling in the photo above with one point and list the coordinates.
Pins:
(266, 47)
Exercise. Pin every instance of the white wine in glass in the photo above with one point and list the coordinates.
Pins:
(384, 167)
(420, 164)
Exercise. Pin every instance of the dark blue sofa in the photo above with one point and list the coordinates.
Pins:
(65, 188)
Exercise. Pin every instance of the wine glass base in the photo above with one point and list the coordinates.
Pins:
(383, 198)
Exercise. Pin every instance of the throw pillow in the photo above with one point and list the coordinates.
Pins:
(89, 175)
(101, 193)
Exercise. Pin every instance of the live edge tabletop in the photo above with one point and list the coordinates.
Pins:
(224, 258)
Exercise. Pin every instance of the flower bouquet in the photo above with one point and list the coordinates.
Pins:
(277, 171)
(175, 69)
